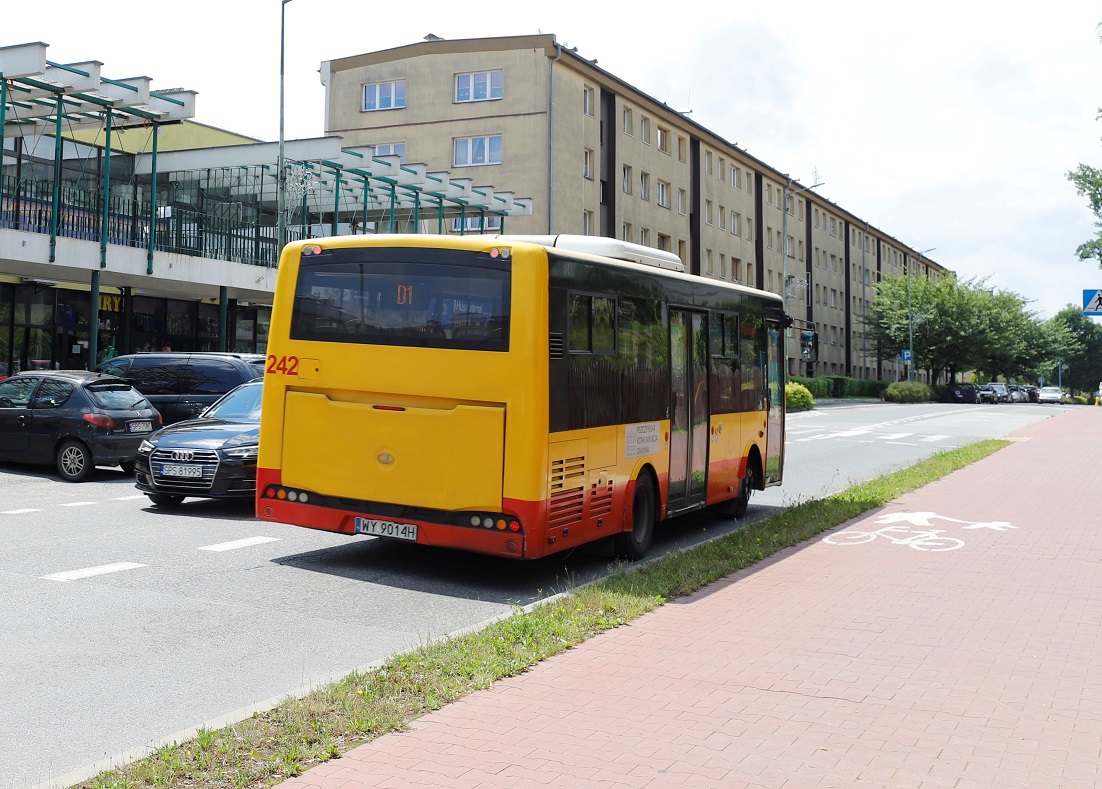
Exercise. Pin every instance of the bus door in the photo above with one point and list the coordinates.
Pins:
(688, 479)
(774, 447)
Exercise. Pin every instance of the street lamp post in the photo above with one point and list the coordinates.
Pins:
(788, 192)
(910, 319)
(281, 166)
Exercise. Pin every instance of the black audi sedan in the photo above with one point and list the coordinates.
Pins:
(211, 456)
(74, 419)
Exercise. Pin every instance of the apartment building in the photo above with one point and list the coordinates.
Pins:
(599, 156)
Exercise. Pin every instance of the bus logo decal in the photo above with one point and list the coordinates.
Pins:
(385, 458)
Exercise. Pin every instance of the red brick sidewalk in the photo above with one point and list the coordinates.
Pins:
(830, 665)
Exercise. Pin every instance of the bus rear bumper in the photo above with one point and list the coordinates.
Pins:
(276, 503)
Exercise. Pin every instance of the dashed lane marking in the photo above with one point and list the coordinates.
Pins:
(78, 503)
(88, 572)
(18, 512)
(245, 543)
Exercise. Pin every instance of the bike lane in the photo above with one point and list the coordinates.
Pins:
(956, 641)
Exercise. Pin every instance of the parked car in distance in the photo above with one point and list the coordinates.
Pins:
(181, 385)
(1031, 392)
(960, 393)
(1002, 393)
(1050, 394)
(74, 419)
(986, 394)
(211, 456)
(1017, 393)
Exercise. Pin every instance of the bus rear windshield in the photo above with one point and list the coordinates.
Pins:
(415, 297)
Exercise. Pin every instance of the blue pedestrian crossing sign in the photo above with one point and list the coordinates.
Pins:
(1092, 302)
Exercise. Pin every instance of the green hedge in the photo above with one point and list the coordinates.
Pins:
(797, 397)
(908, 392)
(840, 386)
(818, 387)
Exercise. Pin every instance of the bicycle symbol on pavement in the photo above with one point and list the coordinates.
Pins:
(901, 528)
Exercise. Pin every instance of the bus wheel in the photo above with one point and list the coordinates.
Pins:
(746, 487)
(634, 544)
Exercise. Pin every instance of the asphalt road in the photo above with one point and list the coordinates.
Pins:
(124, 626)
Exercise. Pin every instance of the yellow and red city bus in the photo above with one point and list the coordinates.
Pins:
(514, 396)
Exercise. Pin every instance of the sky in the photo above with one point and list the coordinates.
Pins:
(947, 125)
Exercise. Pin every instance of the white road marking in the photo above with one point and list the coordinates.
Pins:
(895, 436)
(933, 438)
(901, 443)
(245, 543)
(130, 498)
(88, 572)
(79, 503)
(18, 512)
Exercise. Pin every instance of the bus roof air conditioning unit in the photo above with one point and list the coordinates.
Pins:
(607, 247)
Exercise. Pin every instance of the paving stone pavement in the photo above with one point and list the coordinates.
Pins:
(958, 643)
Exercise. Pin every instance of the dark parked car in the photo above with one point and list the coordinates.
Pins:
(74, 419)
(181, 385)
(212, 456)
(986, 394)
(960, 393)
(1002, 393)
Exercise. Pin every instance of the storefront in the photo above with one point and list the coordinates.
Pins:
(45, 326)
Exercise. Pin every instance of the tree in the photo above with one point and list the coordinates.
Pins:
(959, 325)
(1082, 352)
(1088, 183)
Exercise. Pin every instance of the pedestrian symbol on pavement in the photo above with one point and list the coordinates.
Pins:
(1092, 302)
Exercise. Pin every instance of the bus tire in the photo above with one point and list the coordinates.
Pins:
(634, 544)
(746, 488)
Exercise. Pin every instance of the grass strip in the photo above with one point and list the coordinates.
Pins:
(300, 733)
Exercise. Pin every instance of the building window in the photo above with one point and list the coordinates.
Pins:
(475, 224)
(722, 218)
(788, 245)
(587, 164)
(736, 269)
(663, 194)
(587, 222)
(681, 146)
(384, 95)
(736, 177)
(708, 162)
(664, 242)
(736, 221)
(626, 231)
(833, 227)
(769, 237)
(722, 174)
(663, 140)
(644, 236)
(644, 186)
(477, 151)
(708, 212)
(627, 179)
(587, 101)
(708, 261)
(629, 124)
(681, 195)
(479, 86)
(644, 129)
(722, 266)
(391, 149)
